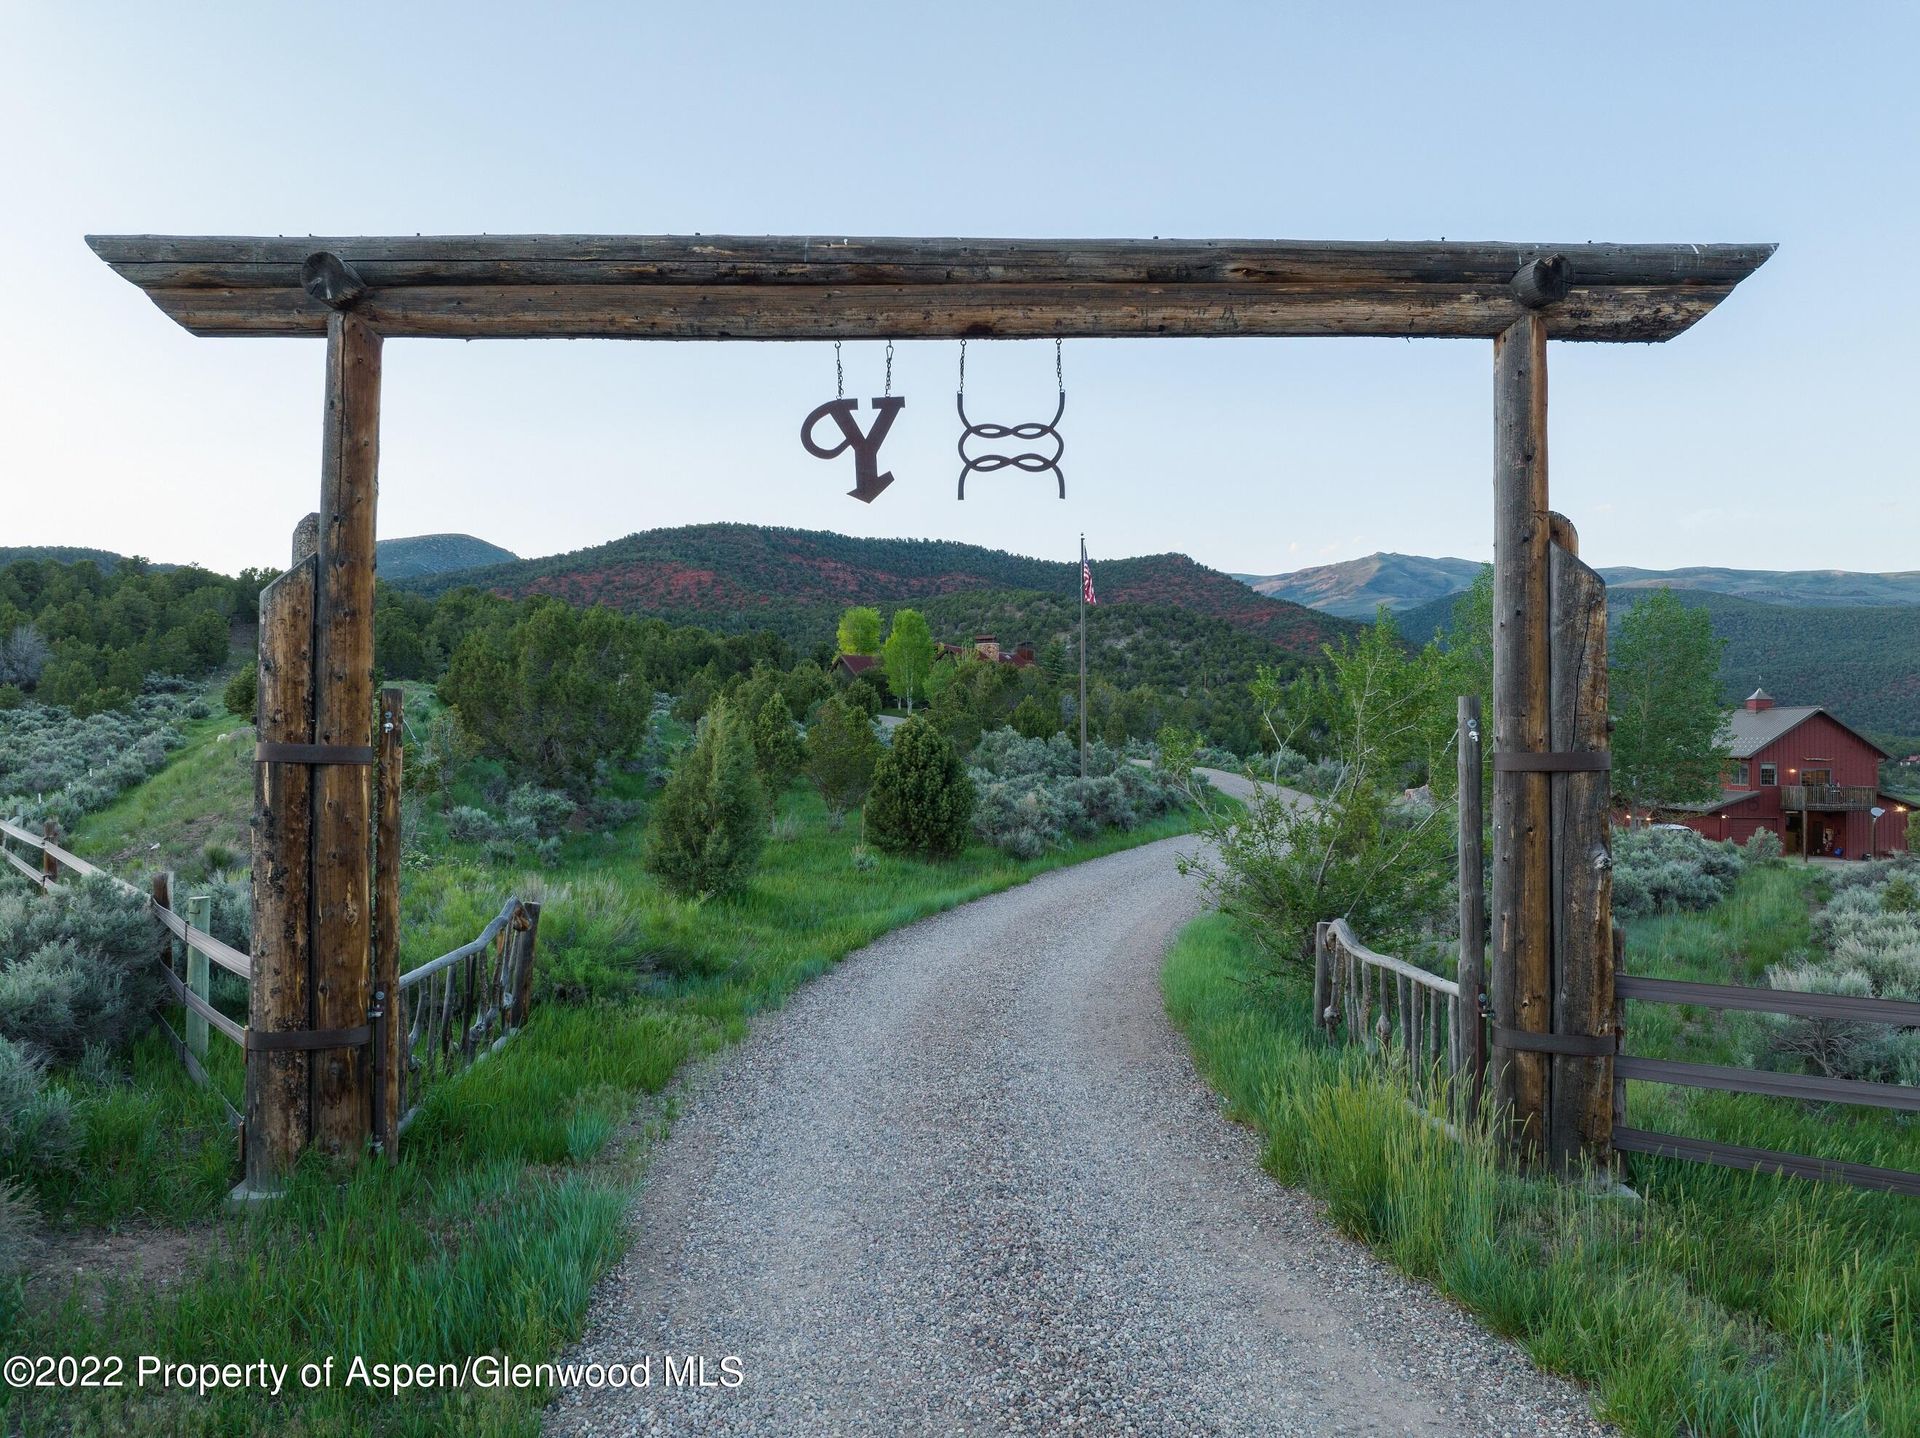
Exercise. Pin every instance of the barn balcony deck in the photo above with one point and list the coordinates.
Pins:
(1828, 798)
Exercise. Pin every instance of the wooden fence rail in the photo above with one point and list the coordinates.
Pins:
(455, 1010)
(1417, 1020)
(449, 1014)
(1391, 1007)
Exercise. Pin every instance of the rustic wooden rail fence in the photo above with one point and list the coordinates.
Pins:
(1413, 1016)
(1417, 1020)
(446, 1014)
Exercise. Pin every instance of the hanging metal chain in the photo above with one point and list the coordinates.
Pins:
(1059, 378)
(839, 376)
(889, 389)
(963, 366)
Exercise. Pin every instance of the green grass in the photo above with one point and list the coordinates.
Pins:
(507, 1202)
(201, 801)
(1724, 1303)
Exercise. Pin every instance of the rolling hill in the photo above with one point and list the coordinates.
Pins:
(408, 558)
(1357, 587)
(423, 554)
(796, 582)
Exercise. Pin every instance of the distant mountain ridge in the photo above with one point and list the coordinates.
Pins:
(405, 558)
(795, 581)
(423, 554)
(1356, 587)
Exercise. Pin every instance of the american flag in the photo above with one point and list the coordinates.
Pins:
(1086, 581)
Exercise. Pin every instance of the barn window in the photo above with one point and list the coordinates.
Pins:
(1769, 774)
(1737, 774)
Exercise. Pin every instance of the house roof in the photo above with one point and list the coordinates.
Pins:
(1726, 800)
(1754, 729)
(858, 663)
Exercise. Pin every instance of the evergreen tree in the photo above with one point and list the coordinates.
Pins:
(711, 819)
(841, 752)
(242, 693)
(776, 748)
(922, 798)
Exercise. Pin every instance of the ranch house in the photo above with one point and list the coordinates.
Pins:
(1803, 774)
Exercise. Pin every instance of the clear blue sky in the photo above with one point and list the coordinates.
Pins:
(1780, 433)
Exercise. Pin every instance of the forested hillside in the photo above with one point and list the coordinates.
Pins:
(795, 582)
(85, 638)
(1862, 662)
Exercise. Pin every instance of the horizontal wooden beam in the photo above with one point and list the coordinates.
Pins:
(941, 311)
(779, 287)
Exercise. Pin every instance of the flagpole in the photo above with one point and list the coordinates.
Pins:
(1083, 656)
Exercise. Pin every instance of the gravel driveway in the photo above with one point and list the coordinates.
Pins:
(969, 1183)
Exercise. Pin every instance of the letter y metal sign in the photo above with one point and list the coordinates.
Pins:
(868, 481)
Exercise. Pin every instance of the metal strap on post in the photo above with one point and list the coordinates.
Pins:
(1579, 1046)
(309, 1039)
(275, 752)
(1572, 761)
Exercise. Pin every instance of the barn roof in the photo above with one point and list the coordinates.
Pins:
(784, 287)
(1753, 730)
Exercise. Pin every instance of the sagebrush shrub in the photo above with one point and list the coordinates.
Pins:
(77, 967)
(1763, 846)
(1030, 796)
(1870, 947)
(54, 765)
(36, 1118)
(1657, 871)
(922, 798)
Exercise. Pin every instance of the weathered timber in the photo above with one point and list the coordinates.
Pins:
(1581, 1120)
(343, 714)
(1560, 531)
(306, 537)
(1542, 282)
(945, 311)
(279, 1100)
(1470, 1037)
(386, 920)
(161, 893)
(49, 864)
(199, 975)
(526, 937)
(1521, 987)
(331, 280)
(243, 261)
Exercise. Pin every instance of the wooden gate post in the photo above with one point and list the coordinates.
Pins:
(343, 717)
(279, 1099)
(1522, 840)
(1580, 1123)
(1470, 1038)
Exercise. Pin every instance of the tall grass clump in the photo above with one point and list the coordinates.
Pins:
(1717, 1303)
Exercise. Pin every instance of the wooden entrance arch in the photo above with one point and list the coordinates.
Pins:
(1552, 976)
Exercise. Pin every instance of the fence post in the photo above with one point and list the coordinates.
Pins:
(523, 953)
(390, 1034)
(49, 866)
(162, 892)
(199, 916)
(1322, 967)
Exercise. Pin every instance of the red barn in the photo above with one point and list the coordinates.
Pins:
(1803, 774)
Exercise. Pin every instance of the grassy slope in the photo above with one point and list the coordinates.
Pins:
(507, 1202)
(203, 799)
(1725, 1303)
